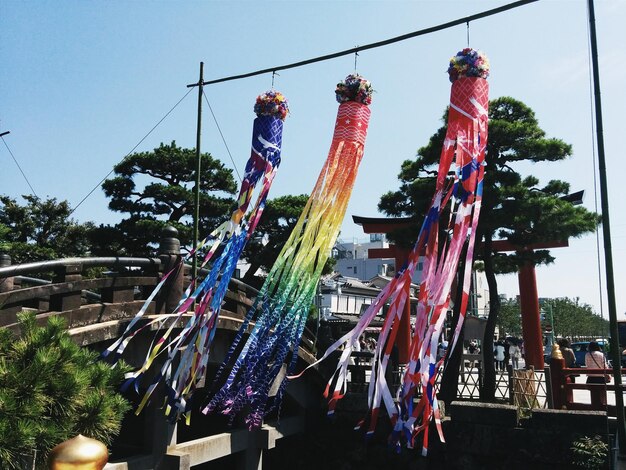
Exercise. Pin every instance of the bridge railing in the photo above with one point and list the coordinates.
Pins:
(62, 285)
(119, 287)
(563, 386)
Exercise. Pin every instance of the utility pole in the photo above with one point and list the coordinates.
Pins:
(196, 213)
(616, 353)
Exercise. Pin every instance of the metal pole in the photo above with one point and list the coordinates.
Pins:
(551, 322)
(616, 353)
(196, 214)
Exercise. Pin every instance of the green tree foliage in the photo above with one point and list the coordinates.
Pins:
(570, 318)
(510, 318)
(575, 319)
(51, 390)
(514, 208)
(155, 189)
(40, 230)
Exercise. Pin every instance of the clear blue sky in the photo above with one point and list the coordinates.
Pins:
(82, 81)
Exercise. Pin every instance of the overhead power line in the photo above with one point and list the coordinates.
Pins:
(373, 45)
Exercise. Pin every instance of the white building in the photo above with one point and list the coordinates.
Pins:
(342, 295)
(353, 262)
(353, 259)
(342, 301)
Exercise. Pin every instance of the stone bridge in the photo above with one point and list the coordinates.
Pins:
(97, 297)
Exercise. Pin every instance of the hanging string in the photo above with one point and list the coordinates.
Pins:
(222, 135)
(606, 328)
(109, 173)
(356, 56)
(595, 174)
(19, 167)
(273, 75)
(468, 34)
(128, 154)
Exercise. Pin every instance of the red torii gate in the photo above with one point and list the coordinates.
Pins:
(529, 299)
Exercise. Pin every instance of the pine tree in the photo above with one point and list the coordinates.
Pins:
(514, 207)
(51, 390)
(154, 189)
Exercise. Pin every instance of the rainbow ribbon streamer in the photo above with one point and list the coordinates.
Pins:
(464, 149)
(193, 342)
(283, 303)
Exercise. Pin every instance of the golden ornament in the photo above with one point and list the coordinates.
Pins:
(79, 453)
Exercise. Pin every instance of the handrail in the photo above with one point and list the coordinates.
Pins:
(109, 261)
(562, 387)
(20, 272)
(589, 370)
(44, 282)
(33, 280)
(27, 268)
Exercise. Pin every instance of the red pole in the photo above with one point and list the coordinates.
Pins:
(531, 322)
(560, 397)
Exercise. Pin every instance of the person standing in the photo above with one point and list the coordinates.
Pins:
(568, 353)
(594, 359)
(568, 356)
(515, 353)
(498, 353)
(441, 349)
(507, 356)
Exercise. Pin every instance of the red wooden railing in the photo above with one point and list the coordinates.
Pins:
(562, 385)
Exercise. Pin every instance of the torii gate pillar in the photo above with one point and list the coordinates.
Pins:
(529, 301)
(400, 255)
(531, 319)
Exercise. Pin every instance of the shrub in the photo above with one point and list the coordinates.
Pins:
(589, 452)
(51, 390)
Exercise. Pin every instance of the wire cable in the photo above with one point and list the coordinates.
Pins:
(606, 333)
(595, 173)
(129, 153)
(19, 167)
(373, 45)
(109, 173)
(222, 135)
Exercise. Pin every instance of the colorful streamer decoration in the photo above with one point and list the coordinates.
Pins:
(464, 151)
(256, 365)
(193, 343)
